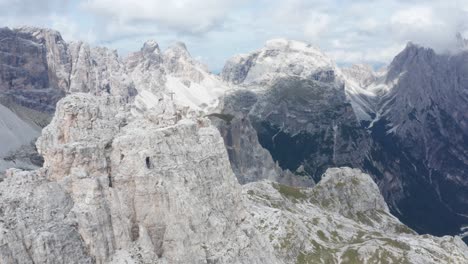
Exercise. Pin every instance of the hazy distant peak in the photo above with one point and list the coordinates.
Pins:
(150, 46)
(462, 42)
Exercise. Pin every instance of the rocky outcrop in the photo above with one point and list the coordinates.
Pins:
(98, 71)
(145, 68)
(146, 189)
(343, 219)
(180, 64)
(36, 221)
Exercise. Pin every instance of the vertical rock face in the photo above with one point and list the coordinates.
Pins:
(421, 122)
(37, 224)
(179, 63)
(145, 67)
(98, 71)
(38, 68)
(310, 125)
(249, 160)
(33, 76)
(301, 114)
(34, 67)
(142, 189)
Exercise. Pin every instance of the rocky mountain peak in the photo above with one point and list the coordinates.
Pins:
(148, 57)
(178, 48)
(150, 46)
(179, 62)
(462, 41)
(279, 58)
(178, 53)
(353, 186)
(41, 33)
(292, 46)
(413, 55)
(172, 73)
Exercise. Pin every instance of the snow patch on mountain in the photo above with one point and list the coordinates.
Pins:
(278, 58)
(173, 74)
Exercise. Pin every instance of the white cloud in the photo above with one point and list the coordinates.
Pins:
(352, 31)
(369, 55)
(433, 26)
(415, 17)
(360, 31)
(31, 7)
(70, 30)
(316, 24)
(186, 16)
(368, 24)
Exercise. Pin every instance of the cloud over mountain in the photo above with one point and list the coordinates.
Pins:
(350, 31)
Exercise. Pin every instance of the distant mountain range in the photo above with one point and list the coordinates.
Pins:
(137, 139)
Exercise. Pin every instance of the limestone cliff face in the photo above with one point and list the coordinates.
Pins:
(145, 68)
(301, 113)
(37, 69)
(157, 187)
(36, 223)
(249, 160)
(34, 68)
(98, 70)
(418, 109)
(137, 189)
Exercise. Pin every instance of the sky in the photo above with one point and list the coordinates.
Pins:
(350, 31)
